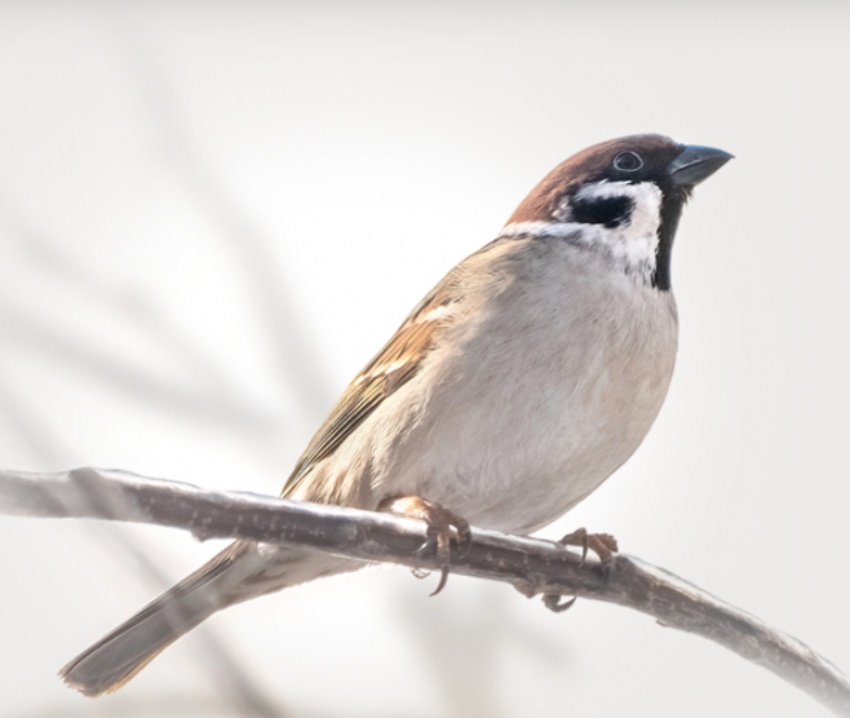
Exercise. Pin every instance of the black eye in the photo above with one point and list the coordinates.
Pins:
(628, 162)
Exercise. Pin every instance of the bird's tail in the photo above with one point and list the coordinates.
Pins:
(236, 574)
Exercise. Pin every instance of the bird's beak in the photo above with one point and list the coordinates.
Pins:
(695, 163)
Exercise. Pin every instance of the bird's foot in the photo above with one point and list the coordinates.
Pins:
(553, 602)
(440, 522)
(603, 545)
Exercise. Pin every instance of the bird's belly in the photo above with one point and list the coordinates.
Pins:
(515, 444)
(517, 476)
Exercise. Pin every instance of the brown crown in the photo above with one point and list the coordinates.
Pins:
(592, 164)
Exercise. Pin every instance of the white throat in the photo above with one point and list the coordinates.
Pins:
(632, 244)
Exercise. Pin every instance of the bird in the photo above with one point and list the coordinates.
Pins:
(526, 377)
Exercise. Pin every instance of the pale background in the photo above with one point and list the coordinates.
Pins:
(213, 214)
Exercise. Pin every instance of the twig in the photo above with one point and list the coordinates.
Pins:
(533, 566)
(236, 685)
(26, 327)
(131, 306)
(291, 344)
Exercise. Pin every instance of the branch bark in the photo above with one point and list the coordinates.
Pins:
(533, 566)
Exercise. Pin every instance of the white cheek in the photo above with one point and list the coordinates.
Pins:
(634, 244)
(646, 212)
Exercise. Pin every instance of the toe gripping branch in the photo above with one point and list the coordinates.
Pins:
(438, 539)
(603, 545)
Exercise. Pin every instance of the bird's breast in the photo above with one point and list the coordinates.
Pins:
(537, 399)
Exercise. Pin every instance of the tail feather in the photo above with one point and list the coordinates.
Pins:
(116, 658)
(242, 571)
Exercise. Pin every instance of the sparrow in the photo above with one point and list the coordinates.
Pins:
(522, 380)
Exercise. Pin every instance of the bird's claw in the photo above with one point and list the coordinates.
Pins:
(603, 545)
(552, 601)
(439, 537)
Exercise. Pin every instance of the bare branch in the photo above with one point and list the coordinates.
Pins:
(533, 566)
(291, 344)
(237, 686)
(26, 327)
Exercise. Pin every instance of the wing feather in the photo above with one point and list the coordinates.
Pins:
(396, 364)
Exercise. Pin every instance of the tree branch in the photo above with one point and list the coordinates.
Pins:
(533, 566)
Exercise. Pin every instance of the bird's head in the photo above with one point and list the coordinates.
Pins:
(624, 196)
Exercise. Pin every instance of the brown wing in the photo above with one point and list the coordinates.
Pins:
(396, 364)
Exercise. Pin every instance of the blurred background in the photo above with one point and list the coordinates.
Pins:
(213, 214)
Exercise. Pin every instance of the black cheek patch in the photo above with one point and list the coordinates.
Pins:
(610, 211)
